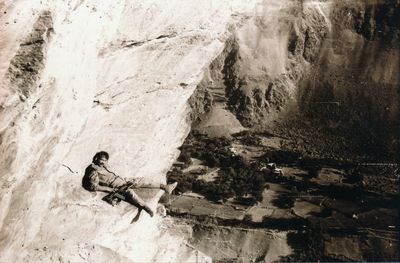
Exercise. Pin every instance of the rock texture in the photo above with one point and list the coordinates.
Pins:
(356, 71)
(82, 76)
(79, 76)
(332, 62)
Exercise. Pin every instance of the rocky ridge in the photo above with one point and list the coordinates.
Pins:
(83, 76)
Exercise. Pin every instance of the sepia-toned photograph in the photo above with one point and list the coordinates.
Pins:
(199, 131)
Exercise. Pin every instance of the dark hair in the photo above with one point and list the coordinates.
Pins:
(98, 155)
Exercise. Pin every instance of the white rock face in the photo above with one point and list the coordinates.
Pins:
(114, 76)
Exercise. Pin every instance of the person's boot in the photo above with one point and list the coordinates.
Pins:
(148, 210)
(170, 187)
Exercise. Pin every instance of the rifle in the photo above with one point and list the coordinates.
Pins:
(115, 196)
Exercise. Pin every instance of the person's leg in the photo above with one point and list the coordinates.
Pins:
(169, 187)
(166, 187)
(134, 199)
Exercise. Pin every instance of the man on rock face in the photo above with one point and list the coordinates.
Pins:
(99, 177)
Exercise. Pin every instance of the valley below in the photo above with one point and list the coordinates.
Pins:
(232, 207)
(279, 119)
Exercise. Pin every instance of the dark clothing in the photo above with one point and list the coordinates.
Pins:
(96, 175)
(86, 178)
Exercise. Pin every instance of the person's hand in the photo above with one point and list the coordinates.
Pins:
(135, 181)
(107, 166)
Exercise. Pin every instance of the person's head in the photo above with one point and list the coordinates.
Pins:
(101, 158)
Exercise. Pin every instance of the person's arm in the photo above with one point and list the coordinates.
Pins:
(132, 181)
(94, 183)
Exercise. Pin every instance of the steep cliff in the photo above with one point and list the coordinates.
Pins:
(316, 65)
(128, 77)
(83, 76)
(357, 72)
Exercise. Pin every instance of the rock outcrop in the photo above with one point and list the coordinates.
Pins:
(82, 76)
(334, 63)
(128, 77)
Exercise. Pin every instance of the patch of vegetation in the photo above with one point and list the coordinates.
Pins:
(185, 158)
(353, 176)
(308, 245)
(248, 138)
(317, 140)
(281, 156)
(284, 201)
(185, 180)
(236, 178)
